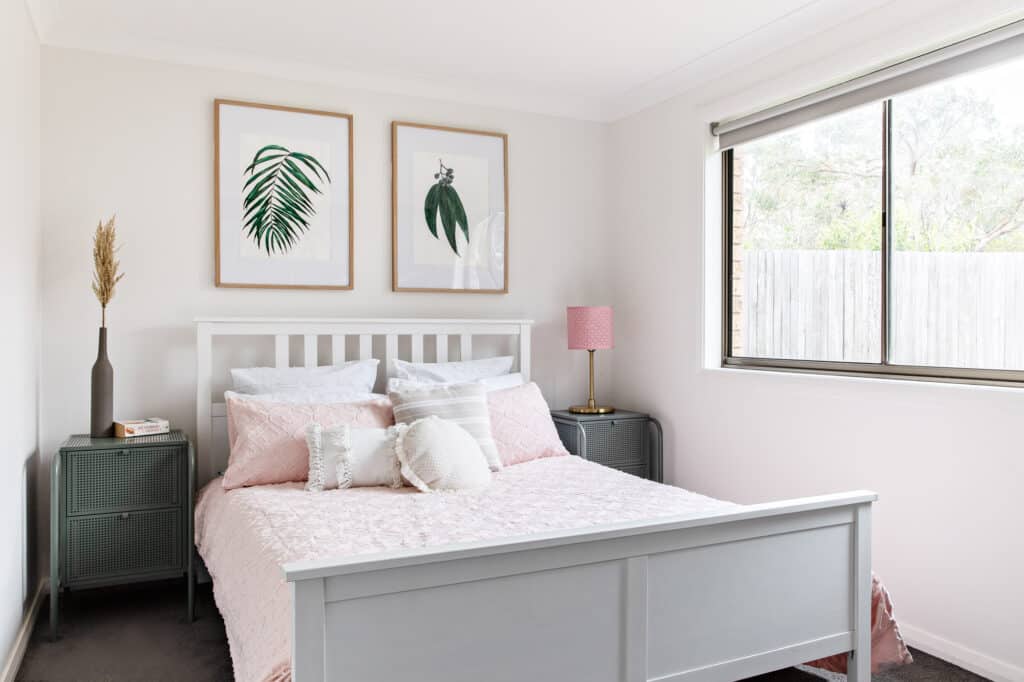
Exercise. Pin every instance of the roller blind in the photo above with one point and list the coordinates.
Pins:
(991, 47)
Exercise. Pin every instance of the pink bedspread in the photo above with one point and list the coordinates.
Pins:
(246, 535)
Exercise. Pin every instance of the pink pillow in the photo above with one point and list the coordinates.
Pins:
(521, 425)
(270, 437)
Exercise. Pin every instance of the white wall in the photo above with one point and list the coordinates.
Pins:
(946, 460)
(19, 300)
(135, 137)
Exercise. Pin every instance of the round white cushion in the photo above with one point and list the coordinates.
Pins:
(436, 454)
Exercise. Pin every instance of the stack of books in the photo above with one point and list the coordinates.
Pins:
(151, 426)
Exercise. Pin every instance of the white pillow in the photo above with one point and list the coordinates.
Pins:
(453, 372)
(436, 454)
(463, 404)
(497, 383)
(357, 375)
(344, 457)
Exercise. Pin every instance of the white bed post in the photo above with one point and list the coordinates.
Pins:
(309, 351)
(636, 619)
(859, 662)
(204, 389)
(308, 646)
(524, 351)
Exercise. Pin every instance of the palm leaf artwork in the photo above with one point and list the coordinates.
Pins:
(443, 200)
(277, 197)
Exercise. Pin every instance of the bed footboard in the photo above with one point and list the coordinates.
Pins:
(714, 598)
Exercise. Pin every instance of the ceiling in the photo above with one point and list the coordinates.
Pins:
(589, 59)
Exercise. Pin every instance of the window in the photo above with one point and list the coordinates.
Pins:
(885, 239)
(958, 223)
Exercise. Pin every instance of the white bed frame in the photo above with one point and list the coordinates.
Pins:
(701, 599)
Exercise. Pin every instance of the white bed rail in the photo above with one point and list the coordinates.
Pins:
(211, 439)
(707, 599)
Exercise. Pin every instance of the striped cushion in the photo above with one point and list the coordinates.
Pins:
(463, 404)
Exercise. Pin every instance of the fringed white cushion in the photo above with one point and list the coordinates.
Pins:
(346, 457)
(436, 454)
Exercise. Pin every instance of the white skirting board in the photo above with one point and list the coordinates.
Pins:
(14, 657)
(957, 654)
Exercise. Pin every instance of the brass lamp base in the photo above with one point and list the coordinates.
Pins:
(591, 409)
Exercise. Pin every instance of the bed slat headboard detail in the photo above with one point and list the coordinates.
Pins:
(211, 427)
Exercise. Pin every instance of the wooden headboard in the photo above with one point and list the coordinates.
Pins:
(211, 426)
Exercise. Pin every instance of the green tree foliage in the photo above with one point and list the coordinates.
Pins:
(958, 183)
(958, 178)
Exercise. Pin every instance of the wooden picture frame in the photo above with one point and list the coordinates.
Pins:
(401, 226)
(341, 202)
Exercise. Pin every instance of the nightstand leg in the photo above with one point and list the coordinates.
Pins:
(54, 545)
(190, 540)
(54, 608)
(191, 615)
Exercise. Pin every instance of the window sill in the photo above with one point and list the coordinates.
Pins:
(800, 375)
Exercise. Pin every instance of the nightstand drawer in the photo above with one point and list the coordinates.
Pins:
(101, 481)
(616, 442)
(109, 545)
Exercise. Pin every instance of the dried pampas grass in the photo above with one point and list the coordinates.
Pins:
(106, 275)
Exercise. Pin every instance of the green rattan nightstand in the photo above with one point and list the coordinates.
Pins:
(621, 440)
(121, 512)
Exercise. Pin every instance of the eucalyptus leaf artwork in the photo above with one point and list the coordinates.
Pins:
(428, 197)
(277, 201)
(444, 200)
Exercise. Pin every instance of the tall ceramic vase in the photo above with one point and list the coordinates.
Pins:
(102, 392)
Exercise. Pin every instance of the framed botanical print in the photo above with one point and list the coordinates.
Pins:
(449, 209)
(283, 197)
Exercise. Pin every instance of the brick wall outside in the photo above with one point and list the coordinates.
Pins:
(739, 222)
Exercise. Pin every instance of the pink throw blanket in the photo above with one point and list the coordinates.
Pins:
(887, 646)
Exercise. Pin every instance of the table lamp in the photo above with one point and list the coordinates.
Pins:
(590, 328)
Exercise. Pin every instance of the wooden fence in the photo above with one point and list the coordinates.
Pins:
(949, 309)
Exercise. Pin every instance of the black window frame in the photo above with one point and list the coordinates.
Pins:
(885, 369)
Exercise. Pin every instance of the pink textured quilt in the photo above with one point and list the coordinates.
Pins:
(246, 535)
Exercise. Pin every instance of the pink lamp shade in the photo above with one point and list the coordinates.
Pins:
(590, 327)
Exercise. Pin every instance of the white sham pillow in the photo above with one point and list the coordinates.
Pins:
(346, 457)
(497, 383)
(436, 454)
(453, 372)
(357, 375)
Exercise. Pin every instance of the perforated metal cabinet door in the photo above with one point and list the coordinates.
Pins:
(127, 479)
(617, 442)
(128, 543)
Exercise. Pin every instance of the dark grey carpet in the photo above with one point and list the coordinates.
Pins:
(139, 633)
(134, 632)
